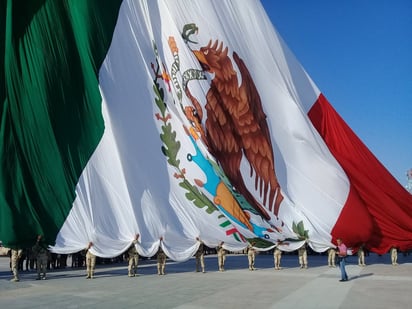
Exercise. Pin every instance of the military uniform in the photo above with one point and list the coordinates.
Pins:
(332, 257)
(161, 261)
(394, 256)
(361, 256)
(200, 258)
(133, 259)
(251, 254)
(277, 255)
(90, 263)
(221, 257)
(15, 257)
(42, 256)
(303, 257)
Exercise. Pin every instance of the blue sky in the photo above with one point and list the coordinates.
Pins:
(359, 54)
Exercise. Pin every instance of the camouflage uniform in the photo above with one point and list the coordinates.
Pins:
(331, 257)
(361, 256)
(277, 255)
(161, 261)
(251, 254)
(90, 263)
(394, 256)
(133, 259)
(41, 253)
(303, 257)
(221, 257)
(15, 257)
(200, 258)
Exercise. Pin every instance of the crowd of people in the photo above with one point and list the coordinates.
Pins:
(38, 257)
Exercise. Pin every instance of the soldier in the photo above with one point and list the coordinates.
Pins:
(161, 259)
(42, 255)
(277, 255)
(15, 257)
(90, 262)
(331, 257)
(394, 256)
(251, 254)
(221, 256)
(133, 257)
(200, 256)
(361, 256)
(303, 256)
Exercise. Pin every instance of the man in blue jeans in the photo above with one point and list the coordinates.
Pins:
(342, 252)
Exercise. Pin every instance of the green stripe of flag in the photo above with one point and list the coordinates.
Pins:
(50, 109)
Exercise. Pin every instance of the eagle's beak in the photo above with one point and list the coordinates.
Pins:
(201, 57)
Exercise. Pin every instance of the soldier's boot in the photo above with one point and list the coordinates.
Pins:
(203, 270)
(15, 276)
(88, 275)
(130, 272)
(92, 275)
(163, 269)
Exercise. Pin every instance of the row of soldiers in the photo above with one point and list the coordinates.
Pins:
(41, 253)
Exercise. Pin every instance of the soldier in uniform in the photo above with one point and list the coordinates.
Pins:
(200, 256)
(221, 256)
(42, 256)
(303, 256)
(133, 258)
(15, 257)
(251, 254)
(394, 256)
(361, 256)
(90, 262)
(161, 259)
(331, 257)
(277, 255)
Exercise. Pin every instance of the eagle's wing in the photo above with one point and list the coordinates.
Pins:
(254, 132)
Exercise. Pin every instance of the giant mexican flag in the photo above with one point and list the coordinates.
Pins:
(177, 119)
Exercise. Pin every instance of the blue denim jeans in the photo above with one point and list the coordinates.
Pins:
(343, 273)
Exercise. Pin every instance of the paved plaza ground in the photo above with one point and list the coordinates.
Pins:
(378, 285)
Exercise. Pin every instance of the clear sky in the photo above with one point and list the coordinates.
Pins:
(359, 54)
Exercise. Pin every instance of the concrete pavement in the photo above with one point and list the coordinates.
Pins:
(378, 285)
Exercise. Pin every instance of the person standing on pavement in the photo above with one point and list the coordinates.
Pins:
(361, 255)
(303, 256)
(342, 253)
(90, 262)
(251, 255)
(277, 256)
(332, 257)
(161, 259)
(221, 256)
(200, 256)
(42, 256)
(15, 256)
(394, 255)
(133, 256)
